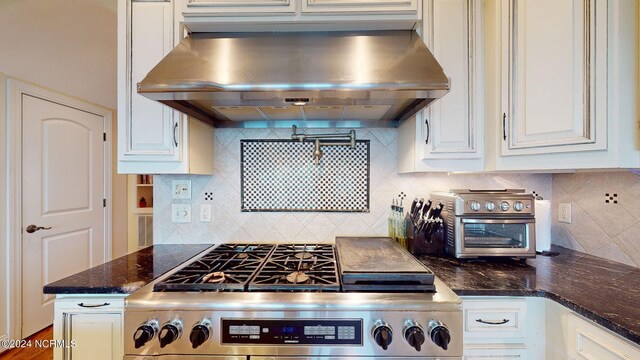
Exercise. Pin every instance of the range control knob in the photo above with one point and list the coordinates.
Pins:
(145, 333)
(200, 333)
(475, 206)
(504, 206)
(382, 334)
(518, 206)
(414, 334)
(170, 332)
(490, 205)
(439, 334)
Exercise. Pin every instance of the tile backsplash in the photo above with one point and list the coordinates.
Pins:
(605, 214)
(230, 224)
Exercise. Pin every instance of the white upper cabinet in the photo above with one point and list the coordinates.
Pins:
(448, 135)
(346, 6)
(554, 76)
(561, 81)
(153, 138)
(153, 130)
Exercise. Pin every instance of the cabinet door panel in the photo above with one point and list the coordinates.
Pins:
(94, 336)
(153, 130)
(358, 6)
(551, 74)
(452, 128)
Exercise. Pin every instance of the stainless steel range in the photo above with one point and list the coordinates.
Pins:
(290, 301)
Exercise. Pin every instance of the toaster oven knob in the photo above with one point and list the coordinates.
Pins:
(200, 333)
(475, 206)
(382, 334)
(490, 206)
(414, 335)
(439, 334)
(518, 206)
(504, 206)
(170, 332)
(145, 333)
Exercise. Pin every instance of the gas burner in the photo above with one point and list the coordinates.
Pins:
(214, 277)
(298, 267)
(297, 277)
(228, 267)
(303, 255)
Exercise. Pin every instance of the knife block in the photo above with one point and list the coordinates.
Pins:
(420, 244)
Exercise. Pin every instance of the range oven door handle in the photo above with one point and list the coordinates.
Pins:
(492, 322)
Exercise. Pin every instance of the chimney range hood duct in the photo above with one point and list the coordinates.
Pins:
(307, 79)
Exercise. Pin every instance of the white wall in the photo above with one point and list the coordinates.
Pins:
(66, 45)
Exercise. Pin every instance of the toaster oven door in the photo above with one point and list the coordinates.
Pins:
(496, 237)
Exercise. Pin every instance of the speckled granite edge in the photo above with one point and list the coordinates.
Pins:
(128, 273)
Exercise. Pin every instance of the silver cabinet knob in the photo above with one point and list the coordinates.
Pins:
(33, 228)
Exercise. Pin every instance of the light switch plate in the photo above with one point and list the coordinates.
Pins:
(181, 213)
(205, 213)
(181, 189)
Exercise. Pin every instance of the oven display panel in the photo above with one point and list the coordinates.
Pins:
(292, 332)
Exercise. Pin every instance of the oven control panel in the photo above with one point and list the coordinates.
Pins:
(292, 332)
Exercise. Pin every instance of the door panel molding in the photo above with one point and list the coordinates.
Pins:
(15, 90)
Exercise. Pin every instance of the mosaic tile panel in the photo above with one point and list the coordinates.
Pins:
(280, 175)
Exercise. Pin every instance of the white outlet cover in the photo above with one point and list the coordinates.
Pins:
(564, 213)
(181, 213)
(181, 189)
(205, 213)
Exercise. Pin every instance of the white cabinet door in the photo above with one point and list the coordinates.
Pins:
(494, 354)
(150, 131)
(91, 327)
(453, 125)
(554, 74)
(359, 6)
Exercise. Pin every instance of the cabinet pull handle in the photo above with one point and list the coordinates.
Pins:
(175, 138)
(504, 321)
(504, 126)
(426, 122)
(93, 306)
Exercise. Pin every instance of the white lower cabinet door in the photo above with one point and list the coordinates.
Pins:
(96, 336)
(587, 341)
(88, 327)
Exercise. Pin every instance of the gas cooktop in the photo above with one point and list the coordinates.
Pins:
(259, 267)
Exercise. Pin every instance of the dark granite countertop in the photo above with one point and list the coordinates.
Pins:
(604, 291)
(126, 274)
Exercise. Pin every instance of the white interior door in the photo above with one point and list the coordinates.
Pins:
(62, 188)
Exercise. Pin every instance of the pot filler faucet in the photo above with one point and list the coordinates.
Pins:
(317, 138)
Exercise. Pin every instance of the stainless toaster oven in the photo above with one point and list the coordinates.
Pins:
(482, 223)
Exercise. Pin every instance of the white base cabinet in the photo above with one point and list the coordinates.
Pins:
(91, 327)
(502, 328)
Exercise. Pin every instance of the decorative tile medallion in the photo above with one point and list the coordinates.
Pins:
(280, 175)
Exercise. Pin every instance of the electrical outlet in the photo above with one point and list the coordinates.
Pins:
(181, 213)
(205, 213)
(564, 213)
(181, 189)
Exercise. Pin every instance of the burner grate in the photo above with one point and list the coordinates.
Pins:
(298, 267)
(228, 267)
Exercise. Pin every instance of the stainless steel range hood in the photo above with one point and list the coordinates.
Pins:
(307, 79)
